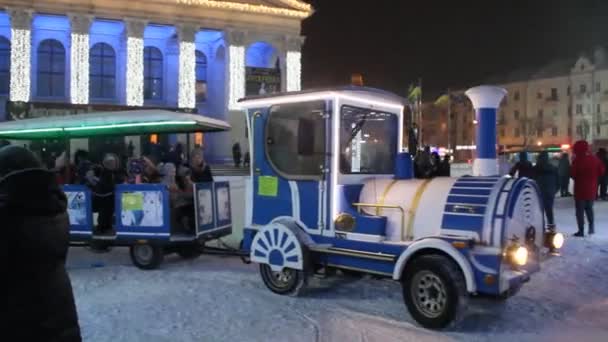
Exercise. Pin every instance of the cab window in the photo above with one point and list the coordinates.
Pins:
(295, 139)
(368, 141)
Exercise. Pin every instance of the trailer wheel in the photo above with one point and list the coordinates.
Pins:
(146, 256)
(189, 251)
(434, 291)
(286, 282)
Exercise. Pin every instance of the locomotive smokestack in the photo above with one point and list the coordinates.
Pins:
(486, 100)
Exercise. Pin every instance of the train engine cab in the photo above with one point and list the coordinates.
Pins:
(331, 190)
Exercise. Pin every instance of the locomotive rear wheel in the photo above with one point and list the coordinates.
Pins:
(434, 291)
(285, 282)
(146, 256)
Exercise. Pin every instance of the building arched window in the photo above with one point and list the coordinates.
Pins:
(51, 69)
(102, 72)
(153, 73)
(5, 65)
(201, 77)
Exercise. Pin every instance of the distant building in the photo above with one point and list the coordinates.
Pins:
(555, 105)
(68, 57)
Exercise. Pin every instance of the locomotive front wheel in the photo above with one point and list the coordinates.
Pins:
(285, 282)
(189, 251)
(146, 256)
(434, 291)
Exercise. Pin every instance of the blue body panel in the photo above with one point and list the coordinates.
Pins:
(80, 211)
(309, 203)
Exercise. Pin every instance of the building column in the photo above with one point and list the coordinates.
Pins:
(79, 58)
(235, 68)
(292, 66)
(135, 62)
(187, 66)
(21, 42)
(486, 100)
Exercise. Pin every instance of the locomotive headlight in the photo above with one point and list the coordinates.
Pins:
(554, 240)
(517, 255)
(520, 256)
(558, 240)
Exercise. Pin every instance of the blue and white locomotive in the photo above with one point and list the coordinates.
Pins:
(330, 189)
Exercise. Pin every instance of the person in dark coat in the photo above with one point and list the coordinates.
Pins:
(585, 170)
(523, 167)
(110, 176)
(39, 303)
(603, 157)
(424, 164)
(200, 171)
(564, 175)
(546, 177)
(236, 154)
(445, 168)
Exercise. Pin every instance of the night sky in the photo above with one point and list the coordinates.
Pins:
(446, 43)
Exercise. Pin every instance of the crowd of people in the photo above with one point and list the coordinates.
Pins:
(429, 164)
(174, 170)
(588, 171)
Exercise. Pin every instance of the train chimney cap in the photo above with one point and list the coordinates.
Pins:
(486, 96)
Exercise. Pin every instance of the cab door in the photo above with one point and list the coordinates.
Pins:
(289, 158)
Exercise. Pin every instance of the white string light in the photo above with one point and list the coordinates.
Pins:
(79, 79)
(20, 64)
(236, 6)
(187, 75)
(294, 70)
(135, 71)
(236, 74)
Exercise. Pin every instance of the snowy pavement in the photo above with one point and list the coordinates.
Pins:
(221, 299)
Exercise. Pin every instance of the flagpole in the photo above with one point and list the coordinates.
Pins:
(449, 120)
(420, 112)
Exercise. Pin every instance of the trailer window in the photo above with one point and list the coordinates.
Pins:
(368, 141)
(295, 139)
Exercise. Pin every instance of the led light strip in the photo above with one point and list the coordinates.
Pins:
(294, 70)
(109, 126)
(20, 64)
(236, 86)
(135, 71)
(140, 124)
(251, 8)
(33, 130)
(319, 96)
(79, 80)
(187, 75)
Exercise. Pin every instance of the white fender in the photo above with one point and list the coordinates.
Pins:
(442, 246)
(278, 246)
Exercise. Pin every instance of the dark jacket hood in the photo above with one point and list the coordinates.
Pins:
(31, 192)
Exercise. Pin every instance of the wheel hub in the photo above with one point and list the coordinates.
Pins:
(282, 277)
(429, 294)
(143, 252)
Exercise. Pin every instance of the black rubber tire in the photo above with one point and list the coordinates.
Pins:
(453, 282)
(151, 262)
(189, 251)
(245, 259)
(296, 283)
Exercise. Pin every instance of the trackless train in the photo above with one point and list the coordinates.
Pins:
(331, 189)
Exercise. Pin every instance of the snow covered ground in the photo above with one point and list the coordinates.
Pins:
(221, 299)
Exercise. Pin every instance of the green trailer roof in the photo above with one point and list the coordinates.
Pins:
(125, 123)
